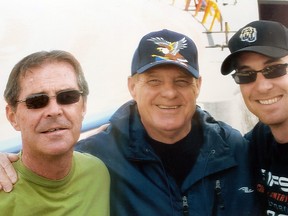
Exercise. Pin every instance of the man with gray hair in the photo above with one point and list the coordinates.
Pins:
(46, 97)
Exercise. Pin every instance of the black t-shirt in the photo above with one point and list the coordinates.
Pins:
(271, 168)
(179, 158)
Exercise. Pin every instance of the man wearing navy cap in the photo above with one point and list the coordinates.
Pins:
(166, 156)
(259, 56)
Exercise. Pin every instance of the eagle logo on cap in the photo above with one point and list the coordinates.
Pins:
(170, 49)
(248, 34)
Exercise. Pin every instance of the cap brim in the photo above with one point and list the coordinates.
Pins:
(229, 63)
(190, 69)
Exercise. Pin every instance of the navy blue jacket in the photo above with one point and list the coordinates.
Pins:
(218, 184)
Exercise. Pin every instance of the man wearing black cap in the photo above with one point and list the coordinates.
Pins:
(259, 56)
(166, 156)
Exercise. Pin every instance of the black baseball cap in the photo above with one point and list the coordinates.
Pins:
(165, 47)
(265, 37)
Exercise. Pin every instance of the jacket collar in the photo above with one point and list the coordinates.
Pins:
(215, 154)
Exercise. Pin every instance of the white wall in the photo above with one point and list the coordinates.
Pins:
(103, 36)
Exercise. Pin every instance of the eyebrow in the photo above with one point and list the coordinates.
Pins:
(57, 92)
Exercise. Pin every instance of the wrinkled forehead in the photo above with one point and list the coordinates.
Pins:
(49, 75)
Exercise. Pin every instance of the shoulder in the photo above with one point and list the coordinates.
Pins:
(87, 158)
(89, 162)
(222, 135)
(220, 128)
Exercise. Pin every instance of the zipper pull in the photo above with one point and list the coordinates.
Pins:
(219, 198)
(185, 206)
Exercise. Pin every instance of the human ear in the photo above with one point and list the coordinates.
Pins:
(131, 86)
(12, 117)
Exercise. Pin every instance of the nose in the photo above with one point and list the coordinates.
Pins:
(263, 84)
(53, 109)
(169, 90)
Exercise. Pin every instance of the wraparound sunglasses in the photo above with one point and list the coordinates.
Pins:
(274, 71)
(37, 101)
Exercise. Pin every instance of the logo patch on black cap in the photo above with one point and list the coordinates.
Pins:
(248, 34)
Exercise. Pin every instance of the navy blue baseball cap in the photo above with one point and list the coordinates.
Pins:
(265, 37)
(165, 47)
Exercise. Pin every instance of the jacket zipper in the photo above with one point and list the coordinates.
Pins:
(185, 206)
(219, 197)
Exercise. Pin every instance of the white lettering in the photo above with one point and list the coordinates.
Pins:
(275, 180)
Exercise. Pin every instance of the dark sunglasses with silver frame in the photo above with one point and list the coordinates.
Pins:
(270, 72)
(65, 97)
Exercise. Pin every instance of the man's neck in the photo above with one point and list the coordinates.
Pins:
(50, 167)
(168, 136)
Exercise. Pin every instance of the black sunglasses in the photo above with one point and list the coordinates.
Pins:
(37, 101)
(274, 71)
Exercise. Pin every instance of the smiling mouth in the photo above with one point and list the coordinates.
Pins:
(269, 101)
(168, 107)
(53, 130)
